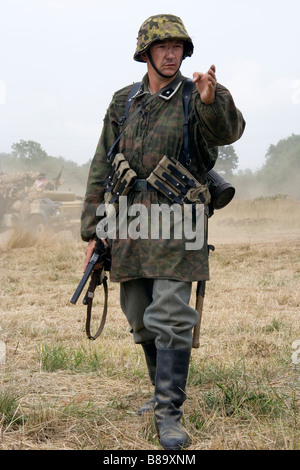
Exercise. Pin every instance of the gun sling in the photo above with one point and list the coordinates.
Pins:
(96, 280)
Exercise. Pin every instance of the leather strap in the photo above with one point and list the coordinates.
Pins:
(112, 151)
(186, 96)
(97, 279)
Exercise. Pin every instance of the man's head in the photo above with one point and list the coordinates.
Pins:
(161, 28)
(165, 57)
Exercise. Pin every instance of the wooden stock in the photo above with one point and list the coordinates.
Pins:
(200, 293)
(199, 308)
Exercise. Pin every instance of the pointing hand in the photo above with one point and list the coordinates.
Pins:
(206, 84)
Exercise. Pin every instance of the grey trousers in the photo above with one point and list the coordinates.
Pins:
(158, 310)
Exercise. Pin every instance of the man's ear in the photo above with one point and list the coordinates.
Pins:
(144, 56)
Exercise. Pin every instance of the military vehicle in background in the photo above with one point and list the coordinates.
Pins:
(29, 201)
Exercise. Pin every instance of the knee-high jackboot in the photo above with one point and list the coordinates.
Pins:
(170, 382)
(150, 352)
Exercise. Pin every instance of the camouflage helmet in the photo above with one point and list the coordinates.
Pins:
(159, 28)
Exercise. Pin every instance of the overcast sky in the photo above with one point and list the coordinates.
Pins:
(62, 60)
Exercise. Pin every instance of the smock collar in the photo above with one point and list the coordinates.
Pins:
(166, 93)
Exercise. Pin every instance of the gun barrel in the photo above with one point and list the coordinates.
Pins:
(84, 278)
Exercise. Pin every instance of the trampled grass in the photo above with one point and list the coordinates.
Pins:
(58, 390)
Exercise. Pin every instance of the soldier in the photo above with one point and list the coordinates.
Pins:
(40, 182)
(156, 275)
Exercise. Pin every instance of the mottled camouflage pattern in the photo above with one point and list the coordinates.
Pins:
(159, 28)
(156, 132)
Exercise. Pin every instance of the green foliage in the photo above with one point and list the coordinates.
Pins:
(57, 357)
(240, 399)
(229, 390)
(282, 166)
(279, 176)
(9, 409)
(28, 151)
(227, 161)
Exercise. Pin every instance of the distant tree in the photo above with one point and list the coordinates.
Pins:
(282, 160)
(28, 151)
(227, 161)
(285, 155)
(280, 173)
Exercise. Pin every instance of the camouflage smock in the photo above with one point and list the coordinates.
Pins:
(157, 131)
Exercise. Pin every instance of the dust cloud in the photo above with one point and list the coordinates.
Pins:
(257, 220)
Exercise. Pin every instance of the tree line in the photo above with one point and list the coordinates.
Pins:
(30, 156)
(278, 175)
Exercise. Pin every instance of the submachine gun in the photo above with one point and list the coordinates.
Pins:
(99, 263)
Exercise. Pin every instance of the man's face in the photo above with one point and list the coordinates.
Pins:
(167, 55)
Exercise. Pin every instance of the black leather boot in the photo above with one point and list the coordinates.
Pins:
(150, 352)
(171, 376)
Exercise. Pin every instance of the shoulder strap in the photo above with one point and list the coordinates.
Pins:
(134, 89)
(186, 98)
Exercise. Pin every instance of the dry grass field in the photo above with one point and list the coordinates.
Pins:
(58, 390)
